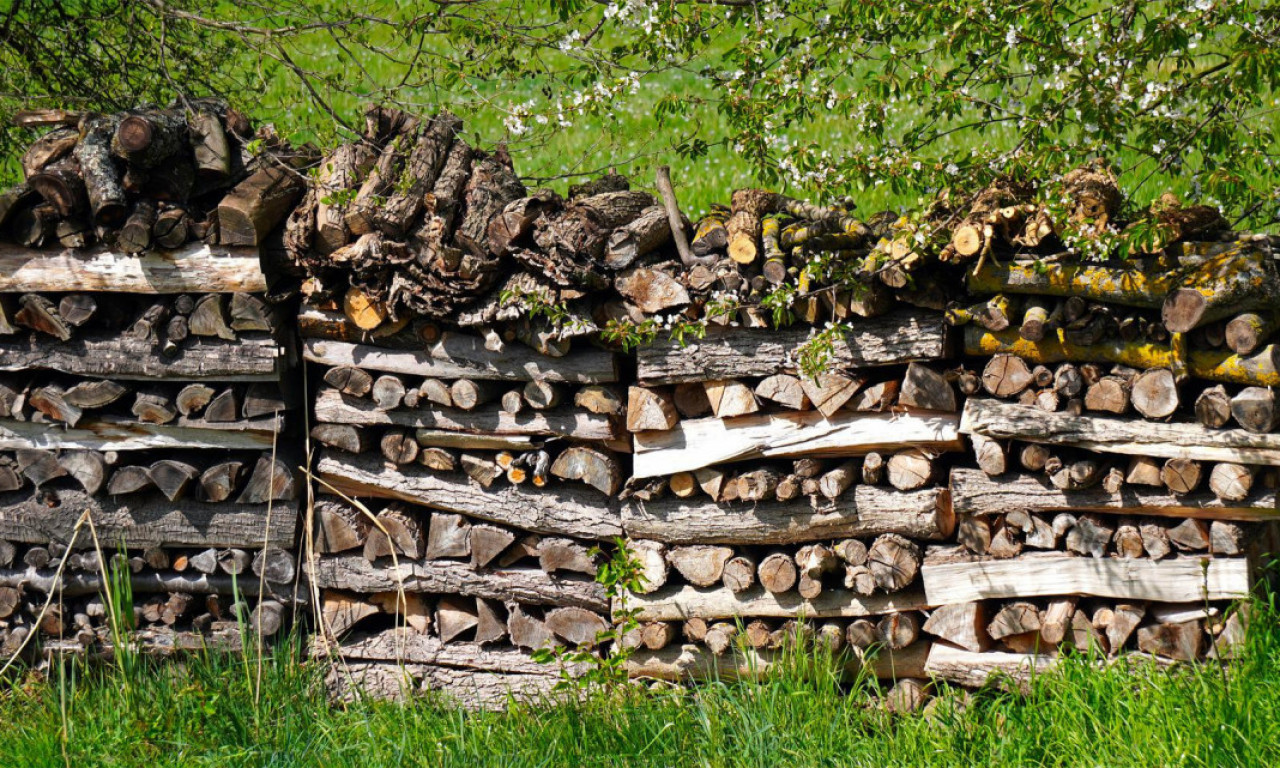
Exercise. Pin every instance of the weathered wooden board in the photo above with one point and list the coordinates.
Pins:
(409, 645)
(531, 586)
(193, 268)
(567, 509)
(463, 356)
(75, 583)
(256, 358)
(974, 493)
(1130, 436)
(109, 433)
(680, 602)
(467, 688)
(147, 520)
(953, 577)
(684, 663)
(334, 407)
(897, 338)
(973, 669)
(697, 443)
(867, 511)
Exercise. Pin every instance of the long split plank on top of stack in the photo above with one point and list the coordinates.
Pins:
(697, 443)
(1005, 420)
(192, 268)
(894, 339)
(682, 663)
(975, 493)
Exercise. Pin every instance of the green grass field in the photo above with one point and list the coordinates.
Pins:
(212, 711)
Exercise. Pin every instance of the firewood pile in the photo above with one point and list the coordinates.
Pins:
(1013, 450)
(948, 445)
(145, 397)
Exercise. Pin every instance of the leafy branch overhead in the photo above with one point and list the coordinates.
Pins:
(819, 97)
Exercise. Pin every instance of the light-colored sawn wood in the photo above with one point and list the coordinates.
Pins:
(193, 268)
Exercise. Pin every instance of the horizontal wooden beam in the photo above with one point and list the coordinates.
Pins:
(724, 353)
(697, 443)
(1134, 437)
(973, 669)
(74, 583)
(531, 586)
(110, 433)
(334, 407)
(867, 511)
(680, 602)
(193, 268)
(409, 645)
(975, 493)
(467, 688)
(568, 509)
(147, 520)
(684, 663)
(245, 359)
(463, 356)
(952, 576)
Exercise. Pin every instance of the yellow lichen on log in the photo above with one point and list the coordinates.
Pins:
(1261, 369)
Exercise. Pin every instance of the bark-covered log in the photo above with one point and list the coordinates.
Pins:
(256, 205)
(695, 663)
(893, 339)
(195, 268)
(680, 602)
(973, 493)
(126, 358)
(456, 356)
(997, 420)
(529, 586)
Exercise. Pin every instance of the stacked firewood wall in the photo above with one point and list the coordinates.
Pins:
(143, 370)
(468, 462)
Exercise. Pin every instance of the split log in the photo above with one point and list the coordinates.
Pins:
(999, 420)
(529, 586)
(208, 318)
(869, 511)
(565, 510)
(597, 468)
(911, 470)
(1213, 407)
(254, 207)
(964, 624)
(454, 616)
(219, 481)
(973, 493)
(395, 531)
(272, 480)
(894, 561)
(784, 389)
(491, 421)
(650, 409)
(398, 447)
(1181, 642)
(953, 577)
(728, 398)
(1006, 375)
(700, 565)
(1181, 476)
(448, 536)
(699, 443)
(339, 526)
(681, 602)
(1190, 535)
(927, 389)
(599, 400)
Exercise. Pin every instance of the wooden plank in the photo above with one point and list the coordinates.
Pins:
(334, 407)
(726, 353)
(973, 669)
(76, 583)
(245, 359)
(409, 645)
(697, 443)
(1135, 437)
(469, 689)
(567, 509)
(684, 663)
(868, 511)
(952, 577)
(110, 433)
(974, 493)
(531, 586)
(194, 268)
(680, 602)
(146, 521)
(463, 356)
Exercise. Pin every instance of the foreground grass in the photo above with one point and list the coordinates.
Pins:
(211, 712)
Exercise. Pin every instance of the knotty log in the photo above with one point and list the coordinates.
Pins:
(725, 353)
(999, 420)
(951, 576)
(528, 586)
(456, 356)
(566, 510)
(702, 442)
(973, 493)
